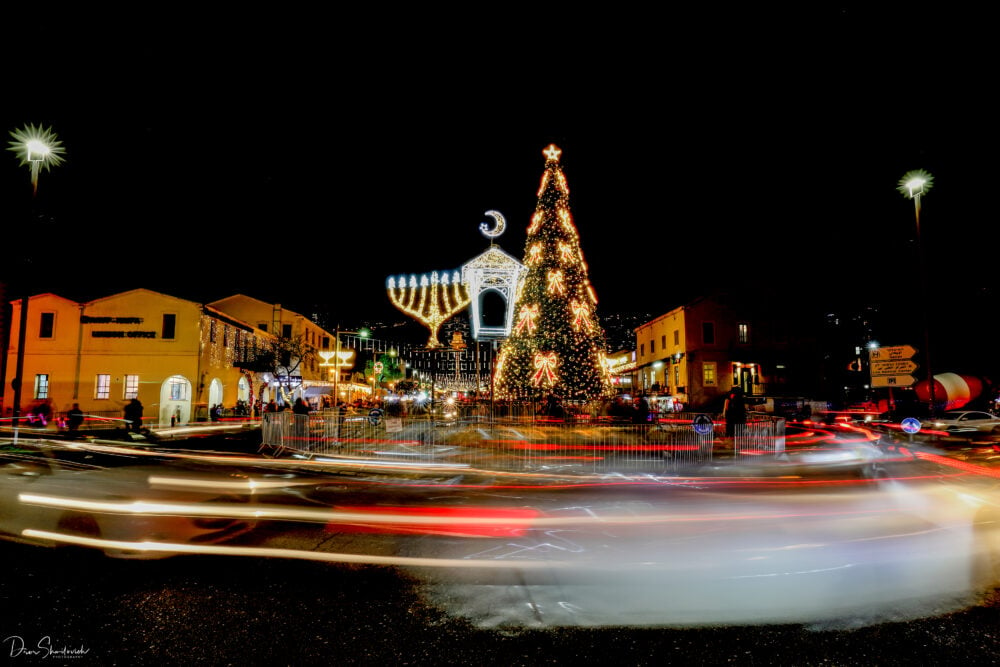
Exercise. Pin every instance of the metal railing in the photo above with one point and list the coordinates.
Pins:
(536, 443)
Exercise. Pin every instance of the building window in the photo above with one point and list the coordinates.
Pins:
(642, 350)
(326, 343)
(225, 335)
(169, 330)
(286, 330)
(743, 333)
(663, 341)
(708, 333)
(131, 386)
(708, 373)
(47, 326)
(42, 386)
(102, 389)
(178, 389)
(677, 336)
(262, 326)
(652, 346)
(211, 331)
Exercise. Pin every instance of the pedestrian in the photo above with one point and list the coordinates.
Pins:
(734, 411)
(300, 407)
(74, 418)
(44, 412)
(133, 416)
(640, 415)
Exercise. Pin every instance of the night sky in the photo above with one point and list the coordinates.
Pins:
(308, 176)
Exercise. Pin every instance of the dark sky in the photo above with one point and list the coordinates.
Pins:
(694, 158)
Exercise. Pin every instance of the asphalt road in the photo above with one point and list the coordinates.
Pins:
(63, 604)
(250, 611)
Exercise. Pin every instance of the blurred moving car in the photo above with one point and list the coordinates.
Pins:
(120, 504)
(964, 421)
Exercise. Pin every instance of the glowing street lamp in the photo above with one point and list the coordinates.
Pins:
(914, 185)
(38, 148)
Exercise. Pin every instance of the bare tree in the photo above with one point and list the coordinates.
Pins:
(285, 358)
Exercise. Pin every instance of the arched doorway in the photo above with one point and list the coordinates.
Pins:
(175, 401)
(214, 393)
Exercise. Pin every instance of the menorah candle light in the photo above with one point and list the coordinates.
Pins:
(431, 299)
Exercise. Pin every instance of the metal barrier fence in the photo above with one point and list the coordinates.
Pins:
(527, 444)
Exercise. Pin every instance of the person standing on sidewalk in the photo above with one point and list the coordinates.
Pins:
(734, 411)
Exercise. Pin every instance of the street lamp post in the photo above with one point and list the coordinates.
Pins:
(364, 333)
(914, 185)
(38, 148)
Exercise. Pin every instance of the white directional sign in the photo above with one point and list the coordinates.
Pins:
(898, 367)
(893, 380)
(892, 353)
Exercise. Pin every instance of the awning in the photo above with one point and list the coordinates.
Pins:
(318, 391)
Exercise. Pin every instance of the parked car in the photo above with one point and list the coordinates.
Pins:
(964, 421)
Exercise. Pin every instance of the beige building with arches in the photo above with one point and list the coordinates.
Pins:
(178, 357)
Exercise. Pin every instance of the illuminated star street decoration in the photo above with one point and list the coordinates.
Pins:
(552, 152)
(545, 369)
(37, 147)
(431, 301)
(497, 230)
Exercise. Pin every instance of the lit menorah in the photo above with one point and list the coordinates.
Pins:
(430, 299)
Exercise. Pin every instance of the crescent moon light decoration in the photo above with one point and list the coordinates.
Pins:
(501, 224)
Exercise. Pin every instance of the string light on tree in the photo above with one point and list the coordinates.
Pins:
(545, 369)
(526, 318)
(534, 254)
(557, 344)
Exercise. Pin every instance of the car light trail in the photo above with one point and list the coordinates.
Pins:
(959, 465)
(300, 554)
(418, 516)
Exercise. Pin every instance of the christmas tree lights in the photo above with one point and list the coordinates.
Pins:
(556, 345)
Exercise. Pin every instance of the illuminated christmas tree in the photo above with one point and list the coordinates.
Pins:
(556, 345)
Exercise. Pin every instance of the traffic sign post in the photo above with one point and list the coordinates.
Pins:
(702, 424)
(891, 366)
(893, 381)
(900, 367)
(892, 353)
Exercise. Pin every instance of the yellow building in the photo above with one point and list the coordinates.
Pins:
(312, 377)
(696, 353)
(178, 357)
